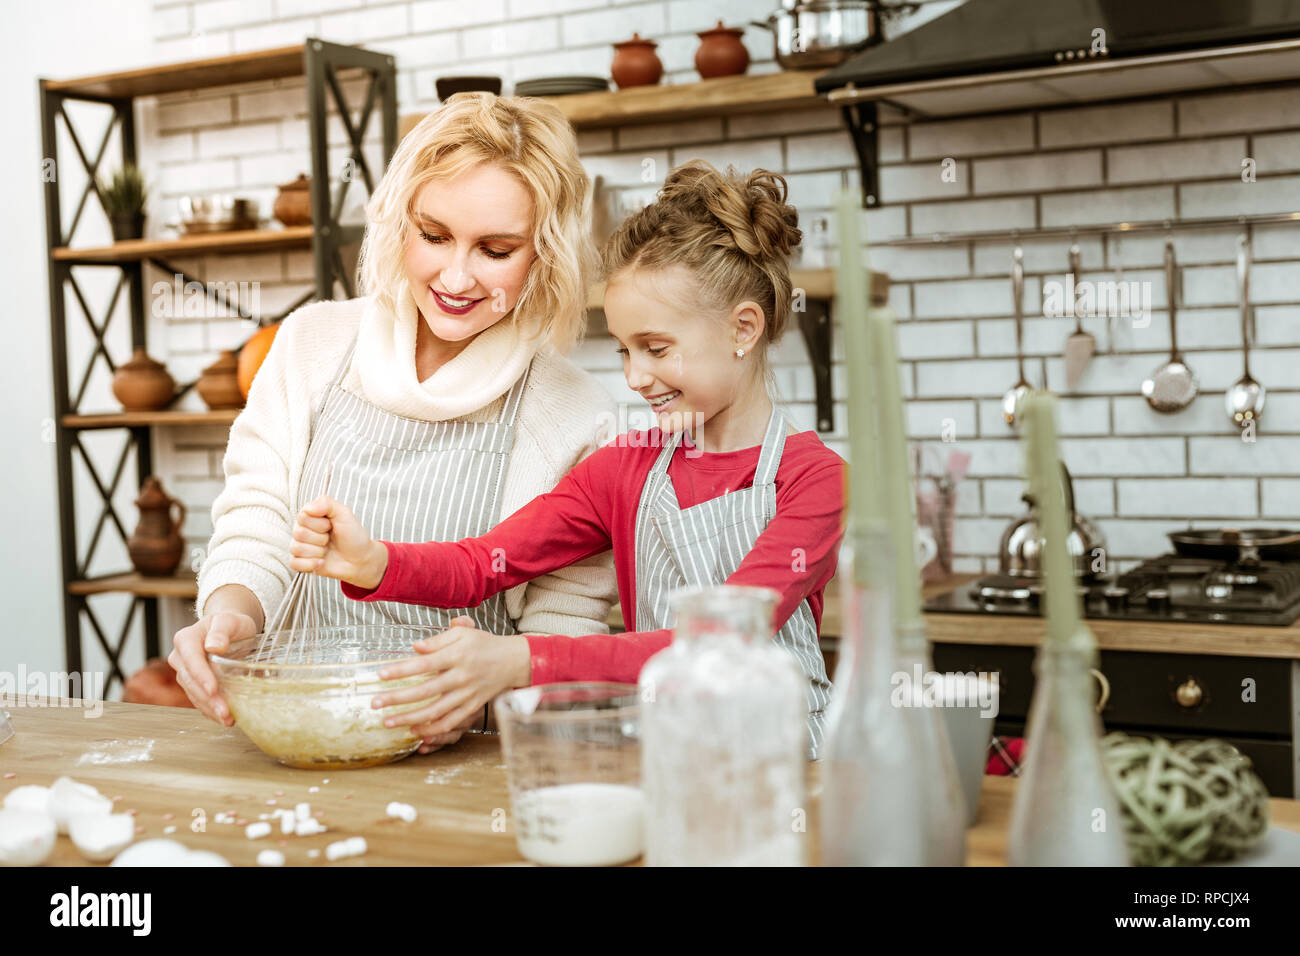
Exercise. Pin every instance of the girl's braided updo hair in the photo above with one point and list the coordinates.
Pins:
(733, 231)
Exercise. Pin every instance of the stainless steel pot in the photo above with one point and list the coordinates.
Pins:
(821, 33)
(1020, 553)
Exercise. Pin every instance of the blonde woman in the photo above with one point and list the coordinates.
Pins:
(439, 402)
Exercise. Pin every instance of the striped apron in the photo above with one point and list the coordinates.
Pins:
(408, 480)
(703, 545)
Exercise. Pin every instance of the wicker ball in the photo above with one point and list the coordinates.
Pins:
(1192, 802)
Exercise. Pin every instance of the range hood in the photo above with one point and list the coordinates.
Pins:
(988, 55)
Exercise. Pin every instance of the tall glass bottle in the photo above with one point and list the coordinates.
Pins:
(871, 808)
(723, 733)
(1065, 812)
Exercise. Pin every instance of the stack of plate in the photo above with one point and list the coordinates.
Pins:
(561, 85)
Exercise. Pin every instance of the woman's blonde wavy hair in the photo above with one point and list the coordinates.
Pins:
(528, 138)
(733, 231)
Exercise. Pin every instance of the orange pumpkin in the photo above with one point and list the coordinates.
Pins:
(253, 354)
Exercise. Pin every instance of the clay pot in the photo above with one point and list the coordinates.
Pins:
(218, 386)
(155, 683)
(253, 354)
(636, 63)
(156, 545)
(721, 53)
(293, 204)
(143, 385)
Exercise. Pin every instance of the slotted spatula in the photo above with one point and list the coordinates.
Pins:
(1080, 345)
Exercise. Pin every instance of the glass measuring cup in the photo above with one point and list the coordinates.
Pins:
(573, 761)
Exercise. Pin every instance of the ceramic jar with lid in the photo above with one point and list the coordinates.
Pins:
(721, 53)
(143, 385)
(636, 63)
(293, 205)
(218, 386)
(156, 545)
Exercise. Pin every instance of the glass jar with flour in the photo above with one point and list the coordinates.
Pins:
(723, 723)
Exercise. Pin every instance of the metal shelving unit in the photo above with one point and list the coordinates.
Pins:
(321, 63)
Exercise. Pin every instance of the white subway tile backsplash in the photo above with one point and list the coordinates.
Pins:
(505, 39)
(1214, 158)
(223, 14)
(1034, 173)
(923, 262)
(1277, 152)
(1108, 205)
(972, 215)
(1267, 194)
(1041, 255)
(970, 297)
(917, 340)
(987, 379)
(189, 112)
(363, 26)
(1095, 125)
(436, 16)
(794, 123)
(1271, 455)
(832, 150)
(977, 535)
(1178, 497)
(654, 135)
(1136, 538)
(971, 137)
(1233, 112)
(1281, 498)
(931, 180)
(282, 33)
(1123, 374)
(1134, 416)
(612, 26)
(1095, 457)
(518, 9)
(239, 140)
(933, 421)
(751, 154)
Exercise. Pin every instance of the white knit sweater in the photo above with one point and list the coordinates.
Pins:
(557, 426)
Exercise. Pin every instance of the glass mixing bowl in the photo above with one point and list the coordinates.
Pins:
(306, 699)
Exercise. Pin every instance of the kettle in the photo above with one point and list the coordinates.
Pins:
(1020, 553)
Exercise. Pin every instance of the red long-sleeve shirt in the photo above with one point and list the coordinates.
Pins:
(593, 509)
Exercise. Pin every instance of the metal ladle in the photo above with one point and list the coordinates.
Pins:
(1015, 396)
(1245, 400)
(1173, 385)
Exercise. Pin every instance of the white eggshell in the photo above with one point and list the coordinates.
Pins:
(26, 838)
(69, 799)
(101, 836)
(30, 798)
(158, 852)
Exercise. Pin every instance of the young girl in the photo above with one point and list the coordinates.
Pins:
(723, 491)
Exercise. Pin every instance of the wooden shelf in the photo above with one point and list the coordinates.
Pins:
(724, 96)
(162, 418)
(177, 586)
(201, 74)
(243, 240)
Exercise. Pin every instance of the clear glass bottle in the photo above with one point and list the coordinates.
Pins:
(871, 808)
(941, 794)
(1065, 812)
(724, 730)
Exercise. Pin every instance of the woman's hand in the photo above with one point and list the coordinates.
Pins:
(189, 658)
(469, 668)
(330, 541)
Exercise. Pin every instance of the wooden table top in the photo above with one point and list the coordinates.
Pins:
(167, 760)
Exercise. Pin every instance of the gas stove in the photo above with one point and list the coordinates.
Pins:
(1168, 588)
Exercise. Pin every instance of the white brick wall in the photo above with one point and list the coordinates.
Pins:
(1140, 474)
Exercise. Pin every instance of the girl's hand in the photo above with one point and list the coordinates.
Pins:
(469, 668)
(330, 541)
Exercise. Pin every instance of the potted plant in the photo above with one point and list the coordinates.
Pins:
(123, 198)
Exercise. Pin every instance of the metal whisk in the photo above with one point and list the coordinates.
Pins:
(296, 615)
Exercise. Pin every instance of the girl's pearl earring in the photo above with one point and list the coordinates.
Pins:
(740, 353)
